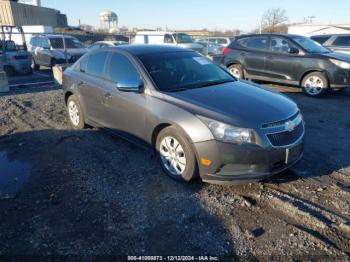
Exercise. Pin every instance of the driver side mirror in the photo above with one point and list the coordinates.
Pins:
(130, 85)
(293, 50)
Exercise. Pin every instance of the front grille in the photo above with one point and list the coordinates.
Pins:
(287, 138)
(280, 123)
(21, 57)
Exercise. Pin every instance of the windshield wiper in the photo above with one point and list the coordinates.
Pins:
(214, 83)
(206, 84)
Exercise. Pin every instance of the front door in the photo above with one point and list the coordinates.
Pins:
(124, 111)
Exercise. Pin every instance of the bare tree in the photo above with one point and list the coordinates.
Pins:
(273, 19)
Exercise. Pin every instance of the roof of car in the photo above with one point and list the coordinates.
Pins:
(272, 34)
(151, 49)
(52, 35)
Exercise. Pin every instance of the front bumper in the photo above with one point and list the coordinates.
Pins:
(339, 78)
(237, 164)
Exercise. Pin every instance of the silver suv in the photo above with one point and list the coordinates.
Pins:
(49, 50)
(336, 43)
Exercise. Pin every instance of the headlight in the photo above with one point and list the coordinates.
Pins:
(341, 64)
(227, 133)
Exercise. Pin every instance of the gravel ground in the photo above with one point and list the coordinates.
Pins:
(89, 193)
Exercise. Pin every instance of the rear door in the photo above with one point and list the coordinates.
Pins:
(254, 54)
(90, 84)
(341, 44)
(280, 63)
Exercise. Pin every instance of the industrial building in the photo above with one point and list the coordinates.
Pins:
(12, 12)
(319, 29)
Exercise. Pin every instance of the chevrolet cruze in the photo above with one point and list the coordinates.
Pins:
(198, 117)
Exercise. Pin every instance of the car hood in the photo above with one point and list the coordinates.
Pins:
(338, 56)
(73, 51)
(238, 103)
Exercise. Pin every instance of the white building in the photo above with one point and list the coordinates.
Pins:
(319, 29)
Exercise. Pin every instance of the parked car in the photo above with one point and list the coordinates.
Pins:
(198, 117)
(49, 50)
(210, 48)
(287, 59)
(223, 41)
(14, 59)
(102, 44)
(167, 38)
(336, 43)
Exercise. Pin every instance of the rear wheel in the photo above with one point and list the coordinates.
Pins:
(315, 84)
(237, 71)
(75, 113)
(176, 155)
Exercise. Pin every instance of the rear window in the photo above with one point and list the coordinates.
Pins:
(259, 42)
(342, 41)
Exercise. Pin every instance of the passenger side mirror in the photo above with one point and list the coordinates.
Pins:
(130, 85)
(293, 50)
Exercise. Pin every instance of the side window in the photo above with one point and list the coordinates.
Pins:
(96, 64)
(146, 41)
(280, 45)
(259, 42)
(81, 67)
(222, 41)
(45, 43)
(342, 41)
(121, 70)
(168, 39)
(320, 39)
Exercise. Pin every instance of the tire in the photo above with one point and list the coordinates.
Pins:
(237, 71)
(315, 84)
(35, 66)
(183, 157)
(30, 72)
(75, 113)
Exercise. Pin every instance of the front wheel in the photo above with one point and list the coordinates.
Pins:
(176, 155)
(315, 84)
(75, 113)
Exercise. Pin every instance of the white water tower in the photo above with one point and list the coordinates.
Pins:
(109, 21)
(31, 2)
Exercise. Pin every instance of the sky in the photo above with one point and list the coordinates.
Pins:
(199, 14)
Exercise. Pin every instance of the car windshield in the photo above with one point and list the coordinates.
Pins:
(310, 45)
(72, 43)
(178, 71)
(182, 38)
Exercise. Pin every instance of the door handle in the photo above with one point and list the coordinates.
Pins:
(107, 96)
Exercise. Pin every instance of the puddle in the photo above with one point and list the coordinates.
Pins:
(13, 176)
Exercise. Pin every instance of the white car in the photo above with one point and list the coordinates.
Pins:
(102, 44)
(223, 41)
(167, 38)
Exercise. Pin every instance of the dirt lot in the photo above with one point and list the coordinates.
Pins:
(88, 193)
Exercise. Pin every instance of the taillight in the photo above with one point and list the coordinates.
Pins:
(226, 50)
